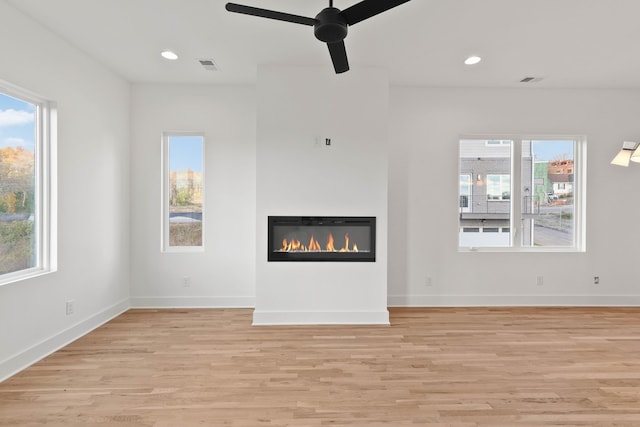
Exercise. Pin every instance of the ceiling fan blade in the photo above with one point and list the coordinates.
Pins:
(339, 56)
(271, 14)
(368, 8)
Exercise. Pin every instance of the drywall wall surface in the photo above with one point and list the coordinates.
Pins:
(297, 176)
(92, 213)
(425, 266)
(223, 274)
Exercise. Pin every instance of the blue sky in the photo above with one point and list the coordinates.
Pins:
(17, 126)
(553, 150)
(185, 152)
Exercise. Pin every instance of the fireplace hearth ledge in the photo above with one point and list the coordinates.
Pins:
(272, 318)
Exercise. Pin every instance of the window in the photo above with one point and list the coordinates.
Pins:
(533, 187)
(25, 184)
(498, 187)
(465, 192)
(497, 142)
(183, 192)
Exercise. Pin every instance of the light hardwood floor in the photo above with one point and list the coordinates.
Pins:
(431, 367)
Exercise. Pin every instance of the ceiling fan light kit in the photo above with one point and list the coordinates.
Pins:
(630, 152)
(330, 26)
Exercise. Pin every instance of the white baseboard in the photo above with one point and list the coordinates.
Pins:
(513, 300)
(193, 302)
(266, 318)
(28, 357)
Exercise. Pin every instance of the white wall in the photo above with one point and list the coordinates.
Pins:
(93, 195)
(425, 126)
(224, 274)
(295, 177)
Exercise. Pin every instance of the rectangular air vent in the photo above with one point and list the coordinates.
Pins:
(208, 64)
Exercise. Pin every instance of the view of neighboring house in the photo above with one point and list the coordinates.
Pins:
(485, 192)
(486, 203)
(561, 178)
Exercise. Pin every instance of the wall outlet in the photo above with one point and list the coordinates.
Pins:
(540, 280)
(70, 307)
(428, 281)
(596, 280)
(186, 281)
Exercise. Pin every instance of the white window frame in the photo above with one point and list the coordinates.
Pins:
(45, 184)
(516, 214)
(165, 247)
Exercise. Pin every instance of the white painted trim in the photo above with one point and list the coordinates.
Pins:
(513, 300)
(28, 357)
(266, 318)
(193, 302)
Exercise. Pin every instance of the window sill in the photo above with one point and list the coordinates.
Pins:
(19, 276)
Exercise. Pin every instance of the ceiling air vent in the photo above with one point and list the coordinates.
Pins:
(208, 64)
(531, 80)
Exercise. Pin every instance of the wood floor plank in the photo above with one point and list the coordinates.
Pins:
(464, 367)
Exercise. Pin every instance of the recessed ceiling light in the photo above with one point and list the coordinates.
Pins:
(167, 54)
(472, 60)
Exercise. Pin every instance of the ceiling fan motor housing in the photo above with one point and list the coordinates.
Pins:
(330, 26)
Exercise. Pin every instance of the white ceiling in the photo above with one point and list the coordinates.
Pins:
(570, 43)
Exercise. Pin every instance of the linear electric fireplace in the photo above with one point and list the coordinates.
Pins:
(330, 238)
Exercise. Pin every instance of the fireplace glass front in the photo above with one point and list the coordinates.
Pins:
(305, 238)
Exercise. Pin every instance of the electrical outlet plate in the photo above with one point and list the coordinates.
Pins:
(70, 307)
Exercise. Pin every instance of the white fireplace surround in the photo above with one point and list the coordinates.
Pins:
(296, 175)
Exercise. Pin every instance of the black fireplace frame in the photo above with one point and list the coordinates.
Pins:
(330, 221)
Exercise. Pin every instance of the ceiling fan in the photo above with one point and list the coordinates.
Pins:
(330, 25)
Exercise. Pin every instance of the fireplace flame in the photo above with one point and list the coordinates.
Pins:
(314, 245)
(346, 243)
(295, 245)
(330, 247)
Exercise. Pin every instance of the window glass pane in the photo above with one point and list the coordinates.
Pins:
(487, 163)
(185, 161)
(18, 237)
(498, 187)
(548, 193)
(465, 192)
